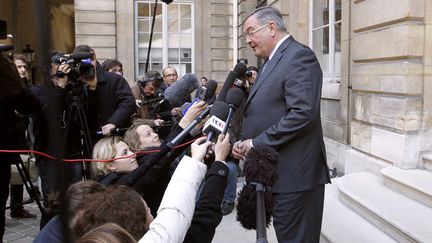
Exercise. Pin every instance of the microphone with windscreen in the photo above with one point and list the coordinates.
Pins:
(239, 70)
(234, 99)
(255, 201)
(176, 93)
(216, 123)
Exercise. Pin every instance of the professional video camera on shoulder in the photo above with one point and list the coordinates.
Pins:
(80, 66)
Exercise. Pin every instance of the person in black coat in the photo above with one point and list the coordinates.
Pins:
(13, 97)
(109, 102)
(151, 174)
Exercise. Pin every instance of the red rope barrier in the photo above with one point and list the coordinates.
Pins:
(88, 160)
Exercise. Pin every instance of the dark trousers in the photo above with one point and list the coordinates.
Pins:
(50, 175)
(16, 197)
(297, 216)
(5, 173)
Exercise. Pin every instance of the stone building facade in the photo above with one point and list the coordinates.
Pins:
(377, 108)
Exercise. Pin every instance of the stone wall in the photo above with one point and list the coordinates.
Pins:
(95, 25)
(387, 73)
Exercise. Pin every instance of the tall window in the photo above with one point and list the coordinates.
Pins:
(325, 36)
(173, 36)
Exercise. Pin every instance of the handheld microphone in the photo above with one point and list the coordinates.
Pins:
(181, 88)
(189, 128)
(216, 123)
(205, 93)
(239, 70)
(117, 130)
(234, 99)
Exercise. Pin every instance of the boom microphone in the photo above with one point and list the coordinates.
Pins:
(234, 99)
(181, 88)
(239, 70)
(216, 122)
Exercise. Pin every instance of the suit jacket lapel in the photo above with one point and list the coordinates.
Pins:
(262, 76)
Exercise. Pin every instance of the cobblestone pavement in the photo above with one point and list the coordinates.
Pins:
(22, 230)
(229, 230)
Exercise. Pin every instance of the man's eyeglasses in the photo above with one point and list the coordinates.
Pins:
(250, 34)
(171, 75)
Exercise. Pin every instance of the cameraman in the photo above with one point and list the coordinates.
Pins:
(110, 103)
(144, 92)
(56, 133)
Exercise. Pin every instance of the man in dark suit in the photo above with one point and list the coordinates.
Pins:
(283, 112)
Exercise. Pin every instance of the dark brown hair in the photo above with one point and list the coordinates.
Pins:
(117, 204)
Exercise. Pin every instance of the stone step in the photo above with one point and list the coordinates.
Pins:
(416, 184)
(403, 218)
(427, 161)
(341, 224)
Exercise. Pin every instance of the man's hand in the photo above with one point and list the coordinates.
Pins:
(175, 111)
(222, 147)
(237, 151)
(199, 148)
(64, 68)
(241, 148)
(158, 122)
(106, 130)
(246, 146)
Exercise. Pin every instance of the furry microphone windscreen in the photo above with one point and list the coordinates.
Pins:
(176, 93)
(260, 166)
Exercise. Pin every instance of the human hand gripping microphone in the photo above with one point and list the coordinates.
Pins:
(205, 93)
(234, 99)
(216, 123)
(175, 141)
(239, 70)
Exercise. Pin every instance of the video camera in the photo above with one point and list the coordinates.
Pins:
(80, 64)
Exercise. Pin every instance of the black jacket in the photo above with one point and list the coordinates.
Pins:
(152, 176)
(13, 97)
(116, 103)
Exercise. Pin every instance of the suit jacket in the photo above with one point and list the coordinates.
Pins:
(283, 112)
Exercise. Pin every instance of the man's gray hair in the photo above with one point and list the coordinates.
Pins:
(266, 14)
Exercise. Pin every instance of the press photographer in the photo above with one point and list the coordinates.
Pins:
(109, 100)
(146, 100)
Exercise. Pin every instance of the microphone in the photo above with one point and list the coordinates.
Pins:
(255, 201)
(234, 99)
(205, 93)
(181, 88)
(175, 141)
(216, 123)
(69, 57)
(239, 70)
(117, 130)
(6, 47)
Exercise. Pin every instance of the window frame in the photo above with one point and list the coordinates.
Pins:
(331, 75)
(165, 36)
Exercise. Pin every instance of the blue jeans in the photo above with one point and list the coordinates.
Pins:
(231, 189)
